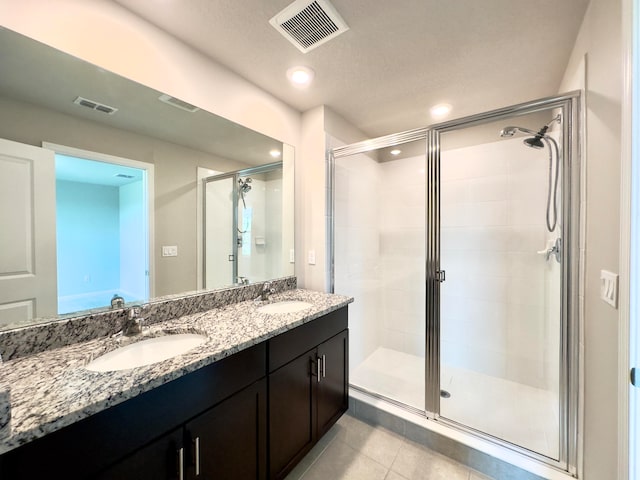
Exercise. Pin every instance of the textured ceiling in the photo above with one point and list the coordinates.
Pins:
(397, 59)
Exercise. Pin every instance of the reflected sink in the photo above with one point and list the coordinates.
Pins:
(288, 306)
(146, 352)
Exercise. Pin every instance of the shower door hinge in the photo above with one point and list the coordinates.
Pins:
(441, 276)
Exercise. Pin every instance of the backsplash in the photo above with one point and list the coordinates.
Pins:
(33, 339)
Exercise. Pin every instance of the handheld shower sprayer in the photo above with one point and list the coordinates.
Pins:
(539, 140)
(243, 188)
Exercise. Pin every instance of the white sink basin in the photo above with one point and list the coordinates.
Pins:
(288, 306)
(146, 352)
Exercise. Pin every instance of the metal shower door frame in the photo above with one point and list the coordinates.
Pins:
(570, 410)
(570, 322)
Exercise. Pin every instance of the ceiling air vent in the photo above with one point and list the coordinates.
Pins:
(176, 102)
(93, 105)
(309, 23)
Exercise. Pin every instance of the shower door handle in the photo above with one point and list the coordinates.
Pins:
(632, 377)
(441, 276)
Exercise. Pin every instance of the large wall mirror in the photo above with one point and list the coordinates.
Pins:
(110, 188)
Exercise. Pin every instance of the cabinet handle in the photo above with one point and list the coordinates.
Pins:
(318, 360)
(196, 443)
(181, 464)
(324, 366)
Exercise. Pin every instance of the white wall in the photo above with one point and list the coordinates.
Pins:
(600, 40)
(321, 130)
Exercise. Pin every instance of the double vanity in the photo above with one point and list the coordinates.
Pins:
(247, 389)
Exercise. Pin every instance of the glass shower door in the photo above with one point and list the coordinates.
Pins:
(379, 259)
(219, 230)
(500, 306)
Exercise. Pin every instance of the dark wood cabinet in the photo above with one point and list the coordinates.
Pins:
(291, 413)
(308, 393)
(333, 395)
(162, 459)
(227, 442)
(252, 415)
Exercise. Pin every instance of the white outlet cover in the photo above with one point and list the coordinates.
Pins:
(312, 257)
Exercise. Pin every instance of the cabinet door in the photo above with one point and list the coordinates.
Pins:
(229, 441)
(333, 393)
(291, 413)
(160, 460)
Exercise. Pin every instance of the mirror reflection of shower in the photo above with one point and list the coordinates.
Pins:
(539, 140)
(243, 188)
(243, 236)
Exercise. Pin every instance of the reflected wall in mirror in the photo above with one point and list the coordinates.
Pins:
(49, 99)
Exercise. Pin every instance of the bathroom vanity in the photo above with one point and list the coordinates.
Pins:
(249, 403)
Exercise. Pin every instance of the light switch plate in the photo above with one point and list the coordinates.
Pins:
(609, 287)
(169, 250)
(292, 256)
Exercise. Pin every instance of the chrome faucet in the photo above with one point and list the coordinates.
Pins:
(134, 323)
(267, 290)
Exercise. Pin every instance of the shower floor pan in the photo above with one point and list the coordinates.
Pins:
(518, 413)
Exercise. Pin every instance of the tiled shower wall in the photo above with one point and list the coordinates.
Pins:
(493, 308)
(401, 226)
(500, 307)
(357, 246)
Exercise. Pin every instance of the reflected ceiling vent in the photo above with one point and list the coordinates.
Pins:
(176, 102)
(93, 105)
(309, 23)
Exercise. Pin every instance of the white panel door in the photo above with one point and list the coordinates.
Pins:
(28, 279)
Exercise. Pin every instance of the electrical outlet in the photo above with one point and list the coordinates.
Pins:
(170, 251)
(312, 257)
(292, 256)
(609, 287)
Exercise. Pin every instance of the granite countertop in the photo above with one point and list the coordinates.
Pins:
(47, 391)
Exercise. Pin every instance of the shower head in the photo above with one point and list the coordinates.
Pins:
(536, 142)
(244, 184)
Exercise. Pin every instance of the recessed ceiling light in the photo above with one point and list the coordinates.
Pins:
(300, 77)
(440, 110)
(395, 151)
(274, 153)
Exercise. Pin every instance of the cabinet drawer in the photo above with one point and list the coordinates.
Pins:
(289, 345)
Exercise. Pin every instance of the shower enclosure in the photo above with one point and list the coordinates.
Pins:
(243, 231)
(458, 242)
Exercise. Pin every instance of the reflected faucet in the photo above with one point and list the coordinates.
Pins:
(117, 301)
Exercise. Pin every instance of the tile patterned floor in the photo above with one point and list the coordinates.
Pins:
(355, 450)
